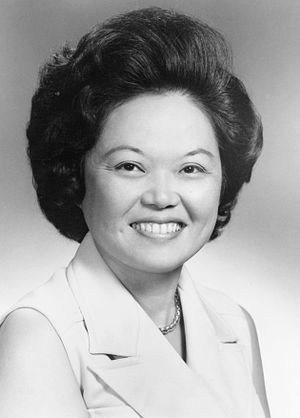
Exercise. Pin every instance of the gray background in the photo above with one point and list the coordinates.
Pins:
(257, 259)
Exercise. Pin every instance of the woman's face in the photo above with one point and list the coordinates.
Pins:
(153, 183)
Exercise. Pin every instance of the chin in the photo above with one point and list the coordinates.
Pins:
(160, 264)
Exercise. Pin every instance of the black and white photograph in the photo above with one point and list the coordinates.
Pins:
(149, 219)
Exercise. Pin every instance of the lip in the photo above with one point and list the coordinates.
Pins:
(159, 221)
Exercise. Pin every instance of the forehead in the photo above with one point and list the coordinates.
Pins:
(156, 123)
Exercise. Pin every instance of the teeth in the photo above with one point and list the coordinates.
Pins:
(164, 228)
(158, 229)
(155, 228)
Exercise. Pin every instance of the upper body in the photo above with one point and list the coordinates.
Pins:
(143, 137)
(82, 336)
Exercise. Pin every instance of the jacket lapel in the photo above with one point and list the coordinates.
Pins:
(129, 353)
(213, 351)
(157, 382)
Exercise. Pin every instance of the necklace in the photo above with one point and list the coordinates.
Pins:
(169, 328)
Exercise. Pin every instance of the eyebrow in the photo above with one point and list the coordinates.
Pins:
(138, 151)
(200, 151)
(123, 147)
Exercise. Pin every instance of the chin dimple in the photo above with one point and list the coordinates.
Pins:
(157, 228)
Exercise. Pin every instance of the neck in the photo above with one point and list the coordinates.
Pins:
(153, 291)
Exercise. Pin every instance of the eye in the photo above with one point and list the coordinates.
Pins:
(193, 169)
(129, 167)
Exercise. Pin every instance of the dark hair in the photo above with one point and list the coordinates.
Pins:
(144, 51)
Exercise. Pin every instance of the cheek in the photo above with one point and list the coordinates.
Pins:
(96, 200)
(203, 201)
(105, 202)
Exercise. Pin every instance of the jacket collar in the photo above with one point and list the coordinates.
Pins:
(142, 359)
(112, 316)
(109, 310)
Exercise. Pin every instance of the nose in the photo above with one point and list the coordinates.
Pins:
(160, 194)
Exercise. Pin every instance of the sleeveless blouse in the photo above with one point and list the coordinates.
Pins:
(123, 364)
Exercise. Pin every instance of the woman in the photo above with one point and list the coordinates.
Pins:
(140, 140)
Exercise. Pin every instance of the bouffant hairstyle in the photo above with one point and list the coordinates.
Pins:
(144, 51)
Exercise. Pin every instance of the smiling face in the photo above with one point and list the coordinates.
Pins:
(153, 183)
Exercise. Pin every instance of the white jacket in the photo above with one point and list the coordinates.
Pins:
(125, 367)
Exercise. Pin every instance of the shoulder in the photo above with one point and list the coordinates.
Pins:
(231, 314)
(241, 322)
(35, 370)
(221, 302)
(26, 330)
(228, 309)
(53, 299)
(234, 315)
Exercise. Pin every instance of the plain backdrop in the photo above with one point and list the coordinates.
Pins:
(256, 261)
